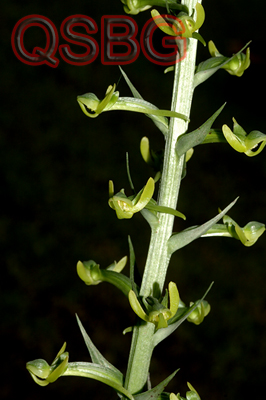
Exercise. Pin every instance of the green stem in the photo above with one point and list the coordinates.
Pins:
(158, 257)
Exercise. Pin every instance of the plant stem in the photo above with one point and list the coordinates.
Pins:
(158, 257)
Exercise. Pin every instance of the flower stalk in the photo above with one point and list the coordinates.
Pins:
(158, 257)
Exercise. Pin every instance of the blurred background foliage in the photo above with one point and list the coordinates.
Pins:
(55, 165)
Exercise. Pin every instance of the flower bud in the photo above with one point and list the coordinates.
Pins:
(200, 312)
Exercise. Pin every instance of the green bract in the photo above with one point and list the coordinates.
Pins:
(157, 313)
(136, 6)
(251, 144)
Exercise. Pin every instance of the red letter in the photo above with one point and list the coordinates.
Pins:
(167, 42)
(111, 38)
(90, 44)
(38, 56)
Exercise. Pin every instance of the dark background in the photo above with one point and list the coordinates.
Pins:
(55, 164)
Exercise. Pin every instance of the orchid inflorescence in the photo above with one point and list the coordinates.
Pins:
(157, 315)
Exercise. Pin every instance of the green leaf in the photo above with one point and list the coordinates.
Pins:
(154, 393)
(128, 173)
(192, 139)
(214, 136)
(150, 217)
(96, 356)
(162, 209)
(161, 122)
(181, 239)
(217, 230)
(132, 260)
(99, 373)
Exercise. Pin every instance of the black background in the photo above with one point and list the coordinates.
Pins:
(55, 164)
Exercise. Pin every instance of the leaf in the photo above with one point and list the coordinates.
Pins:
(99, 373)
(217, 230)
(181, 239)
(132, 260)
(167, 210)
(154, 393)
(214, 136)
(192, 139)
(96, 356)
(160, 122)
(150, 217)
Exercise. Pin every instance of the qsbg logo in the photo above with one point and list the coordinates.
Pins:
(118, 41)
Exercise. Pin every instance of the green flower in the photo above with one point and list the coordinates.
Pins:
(136, 6)
(192, 394)
(185, 26)
(236, 66)
(200, 312)
(251, 144)
(90, 273)
(43, 373)
(157, 313)
(126, 207)
(248, 235)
